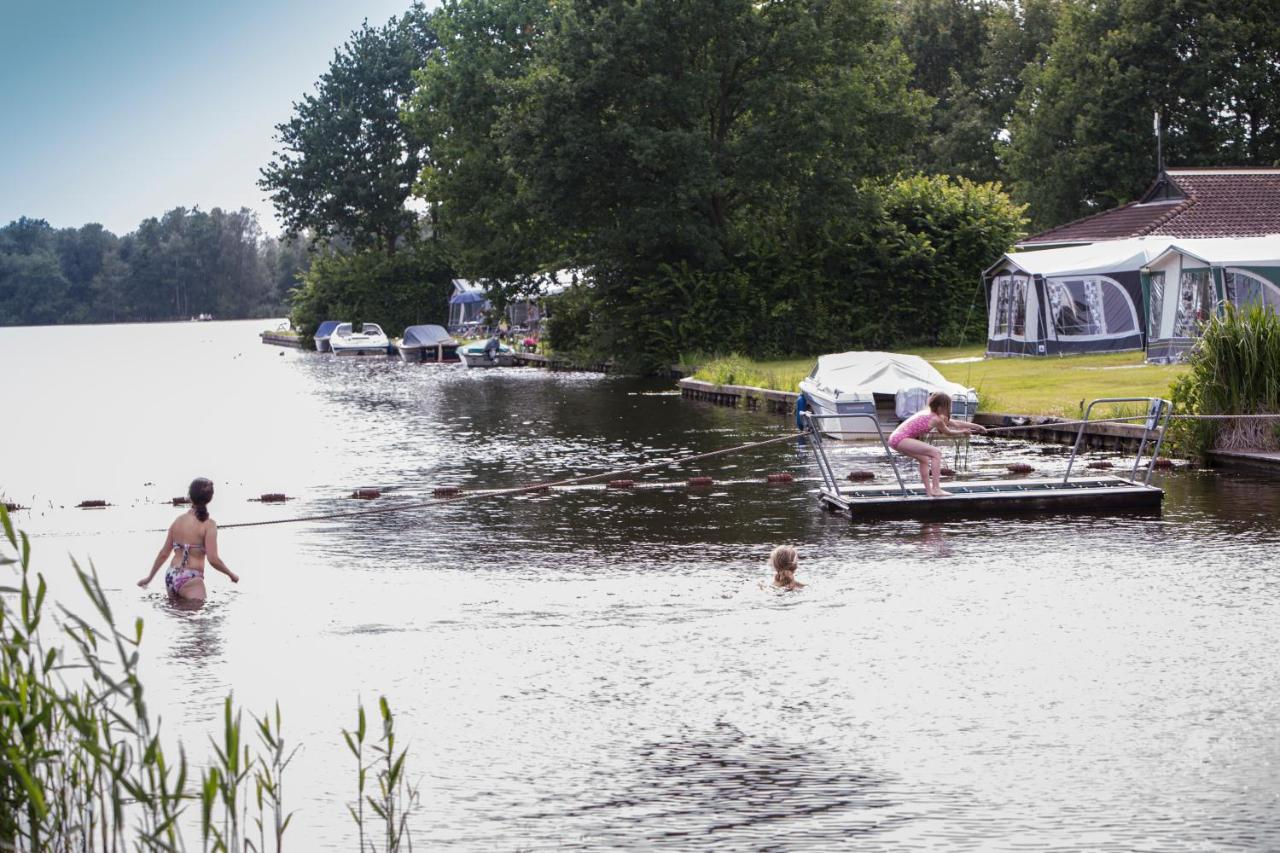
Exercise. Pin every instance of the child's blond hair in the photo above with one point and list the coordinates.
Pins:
(783, 559)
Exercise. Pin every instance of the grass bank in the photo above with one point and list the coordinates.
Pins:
(1037, 386)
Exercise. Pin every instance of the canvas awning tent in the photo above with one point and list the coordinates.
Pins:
(1072, 299)
(1188, 282)
(467, 304)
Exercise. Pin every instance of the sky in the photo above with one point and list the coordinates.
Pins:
(117, 110)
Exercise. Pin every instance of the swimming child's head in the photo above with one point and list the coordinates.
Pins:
(940, 403)
(784, 560)
(201, 492)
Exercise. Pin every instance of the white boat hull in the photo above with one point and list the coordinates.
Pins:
(849, 426)
(501, 359)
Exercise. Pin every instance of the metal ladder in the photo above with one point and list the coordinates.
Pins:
(824, 464)
(1159, 413)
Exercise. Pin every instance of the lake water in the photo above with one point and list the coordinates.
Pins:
(598, 669)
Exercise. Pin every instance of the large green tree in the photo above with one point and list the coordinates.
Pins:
(667, 131)
(347, 165)
(1082, 135)
(485, 225)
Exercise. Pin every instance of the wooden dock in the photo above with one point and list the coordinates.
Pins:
(777, 402)
(281, 339)
(1092, 494)
(1255, 461)
(551, 362)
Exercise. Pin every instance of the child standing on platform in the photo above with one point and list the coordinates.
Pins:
(906, 439)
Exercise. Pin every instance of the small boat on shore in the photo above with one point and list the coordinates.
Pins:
(202, 318)
(427, 343)
(370, 340)
(888, 385)
(323, 332)
(483, 354)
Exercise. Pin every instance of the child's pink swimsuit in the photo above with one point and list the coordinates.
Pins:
(913, 427)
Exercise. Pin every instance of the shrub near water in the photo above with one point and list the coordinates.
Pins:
(1234, 370)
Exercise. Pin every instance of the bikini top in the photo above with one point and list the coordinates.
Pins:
(186, 552)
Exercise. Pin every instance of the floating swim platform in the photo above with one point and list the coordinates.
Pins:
(1083, 494)
(1087, 494)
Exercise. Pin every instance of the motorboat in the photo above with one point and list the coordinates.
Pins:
(323, 333)
(885, 386)
(427, 343)
(370, 340)
(483, 354)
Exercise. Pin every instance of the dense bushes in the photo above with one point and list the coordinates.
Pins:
(906, 273)
(408, 287)
(1234, 370)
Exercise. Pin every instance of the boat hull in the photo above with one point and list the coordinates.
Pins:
(447, 354)
(853, 423)
(501, 359)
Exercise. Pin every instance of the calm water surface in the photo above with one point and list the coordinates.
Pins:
(593, 669)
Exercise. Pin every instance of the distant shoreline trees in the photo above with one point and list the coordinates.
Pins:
(184, 263)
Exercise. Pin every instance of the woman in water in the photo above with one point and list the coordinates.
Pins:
(784, 561)
(906, 439)
(192, 539)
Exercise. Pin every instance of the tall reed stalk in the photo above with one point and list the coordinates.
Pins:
(82, 765)
(1234, 370)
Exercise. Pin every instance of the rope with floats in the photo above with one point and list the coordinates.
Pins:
(516, 490)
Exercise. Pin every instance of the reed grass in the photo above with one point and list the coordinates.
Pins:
(1234, 369)
(83, 765)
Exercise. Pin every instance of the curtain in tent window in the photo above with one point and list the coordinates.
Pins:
(1091, 307)
(1245, 289)
(1001, 298)
(1010, 299)
(1195, 303)
(1076, 307)
(1155, 305)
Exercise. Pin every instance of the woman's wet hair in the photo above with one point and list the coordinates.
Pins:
(783, 559)
(939, 401)
(201, 492)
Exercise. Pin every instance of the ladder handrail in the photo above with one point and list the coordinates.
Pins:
(1159, 413)
(825, 466)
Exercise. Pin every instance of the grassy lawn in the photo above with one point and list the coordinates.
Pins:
(1033, 386)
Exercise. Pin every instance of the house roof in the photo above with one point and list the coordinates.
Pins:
(1184, 203)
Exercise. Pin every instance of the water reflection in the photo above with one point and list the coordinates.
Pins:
(727, 789)
(599, 669)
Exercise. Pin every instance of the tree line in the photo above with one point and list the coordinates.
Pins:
(791, 176)
(182, 264)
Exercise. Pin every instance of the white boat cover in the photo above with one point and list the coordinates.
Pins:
(863, 374)
(426, 336)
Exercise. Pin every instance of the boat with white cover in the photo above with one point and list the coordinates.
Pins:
(887, 385)
(370, 340)
(427, 343)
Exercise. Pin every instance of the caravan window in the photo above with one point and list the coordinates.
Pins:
(1195, 302)
(1246, 289)
(1090, 307)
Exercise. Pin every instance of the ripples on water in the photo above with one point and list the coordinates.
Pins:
(595, 669)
